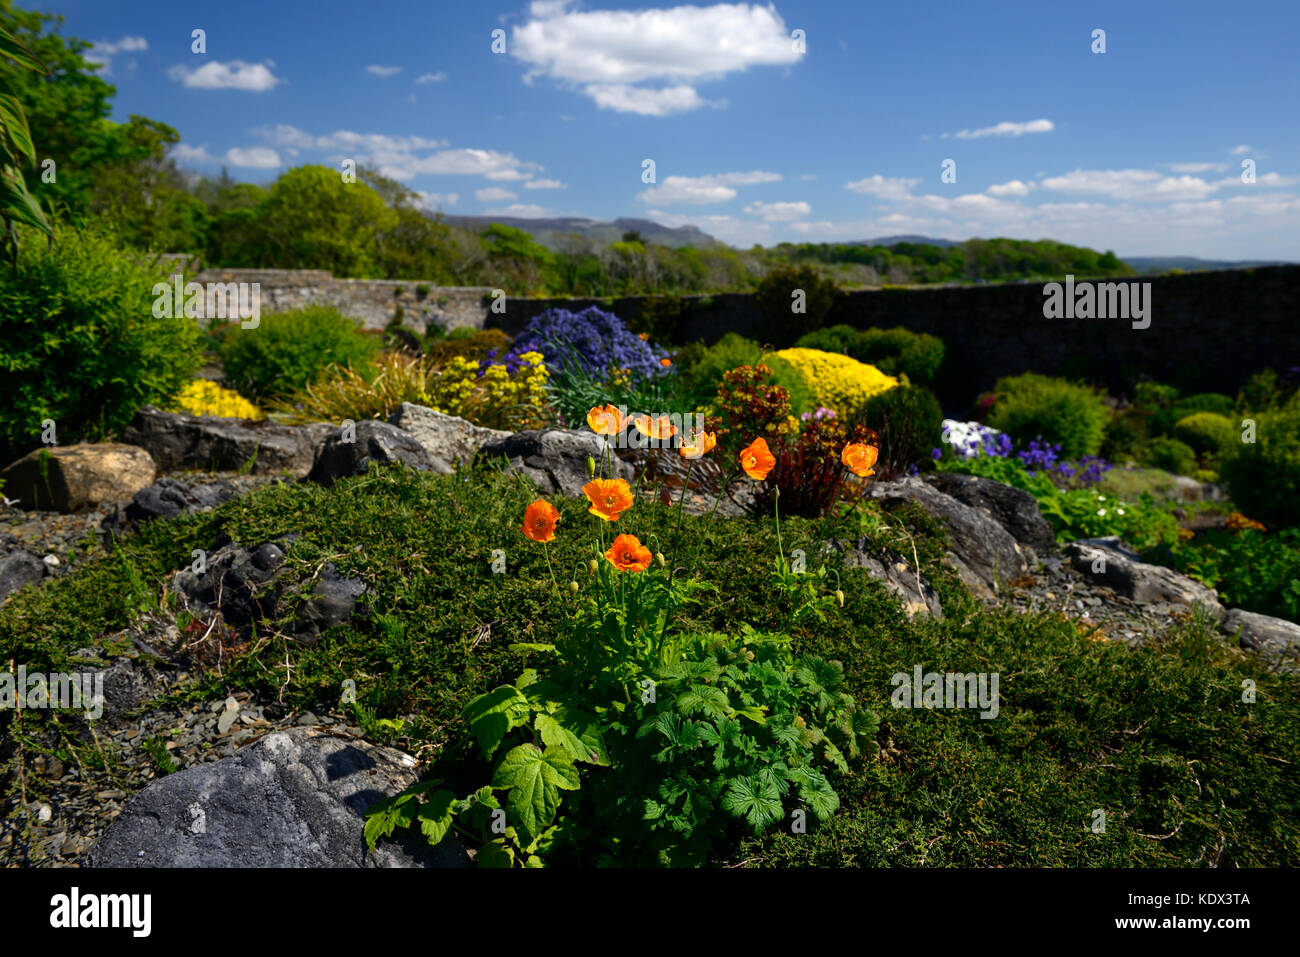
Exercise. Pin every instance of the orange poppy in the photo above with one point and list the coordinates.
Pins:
(665, 362)
(858, 458)
(701, 444)
(539, 520)
(757, 459)
(605, 420)
(609, 497)
(643, 336)
(628, 554)
(659, 428)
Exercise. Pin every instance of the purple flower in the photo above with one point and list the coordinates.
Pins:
(591, 341)
(936, 454)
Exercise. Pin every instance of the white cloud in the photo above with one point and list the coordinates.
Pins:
(883, 187)
(1005, 128)
(646, 102)
(1197, 167)
(374, 70)
(611, 54)
(1130, 184)
(1012, 188)
(544, 184)
(254, 157)
(103, 51)
(699, 190)
(1240, 150)
(425, 78)
(235, 75)
(494, 194)
(778, 212)
(436, 200)
(184, 153)
(522, 210)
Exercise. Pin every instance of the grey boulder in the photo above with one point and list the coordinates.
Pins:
(1139, 581)
(1012, 508)
(18, 569)
(554, 459)
(899, 578)
(340, 455)
(208, 442)
(445, 437)
(293, 799)
(1274, 639)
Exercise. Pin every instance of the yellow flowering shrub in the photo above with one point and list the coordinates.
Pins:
(838, 381)
(205, 397)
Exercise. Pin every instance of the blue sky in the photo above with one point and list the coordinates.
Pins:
(1138, 149)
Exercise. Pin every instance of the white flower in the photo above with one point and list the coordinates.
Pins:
(1119, 511)
(1101, 498)
(1101, 512)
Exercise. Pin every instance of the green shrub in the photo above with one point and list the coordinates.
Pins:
(1206, 432)
(1264, 476)
(1171, 455)
(290, 350)
(1033, 406)
(775, 298)
(473, 344)
(838, 338)
(703, 367)
(79, 341)
(1163, 420)
(1154, 395)
(1252, 570)
(896, 351)
(1126, 435)
(909, 421)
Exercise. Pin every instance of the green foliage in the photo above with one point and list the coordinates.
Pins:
(704, 366)
(1032, 406)
(81, 344)
(1254, 570)
(896, 351)
(1264, 476)
(291, 350)
(776, 300)
(1080, 512)
(909, 422)
(1207, 433)
(474, 344)
(1126, 435)
(1164, 419)
(1172, 455)
(16, 150)
(1266, 390)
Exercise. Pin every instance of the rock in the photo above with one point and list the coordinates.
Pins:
(1275, 639)
(209, 442)
(294, 798)
(249, 586)
(446, 438)
(913, 590)
(983, 553)
(73, 477)
(555, 459)
(167, 498)
(1111, 543)
(1138, 581)
(18, 569)
(374, 442)
(1012, 508)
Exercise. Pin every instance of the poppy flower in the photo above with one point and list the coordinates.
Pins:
(658, 429)
(609, 497)
(858, 458)
(757, 459)
(701, 444)
(665, 362)
(605, 420)
(628, 554)
(539, 520)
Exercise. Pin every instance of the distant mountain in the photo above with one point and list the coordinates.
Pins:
(601, 232)
(921, 240)
(1147, 265)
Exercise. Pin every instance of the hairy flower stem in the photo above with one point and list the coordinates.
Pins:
(709, 518)
(546, 550)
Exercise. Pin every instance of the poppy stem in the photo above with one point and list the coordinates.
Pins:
(681, 509)
(776, 508)
(546, 550)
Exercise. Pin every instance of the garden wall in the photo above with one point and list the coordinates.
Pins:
(1208, 330)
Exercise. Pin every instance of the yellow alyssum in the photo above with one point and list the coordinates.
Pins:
(838, 381)
(205, 397)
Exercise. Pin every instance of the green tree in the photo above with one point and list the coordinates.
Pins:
(16, 151)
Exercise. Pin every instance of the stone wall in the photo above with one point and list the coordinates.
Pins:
(1208, 330)
(372, 301)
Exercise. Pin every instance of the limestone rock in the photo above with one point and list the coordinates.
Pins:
(1012, 508)
(18, 569)
(445, 437)
(1275, 639)
(554, 459)
(1139, 581)
(377, 442)
(180, 441)
(74, 477)
(293, 799)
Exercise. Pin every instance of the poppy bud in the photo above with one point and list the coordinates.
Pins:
(592, 567)
(659, 558)
(591, 466)
(573, 588)
(839, 597)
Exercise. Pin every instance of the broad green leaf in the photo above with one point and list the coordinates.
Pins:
(436, 815)
(20, 54)
(495, 854)
(758, 803)
(535, 779)
(491, 716)
(531, 646)
(574, 743)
